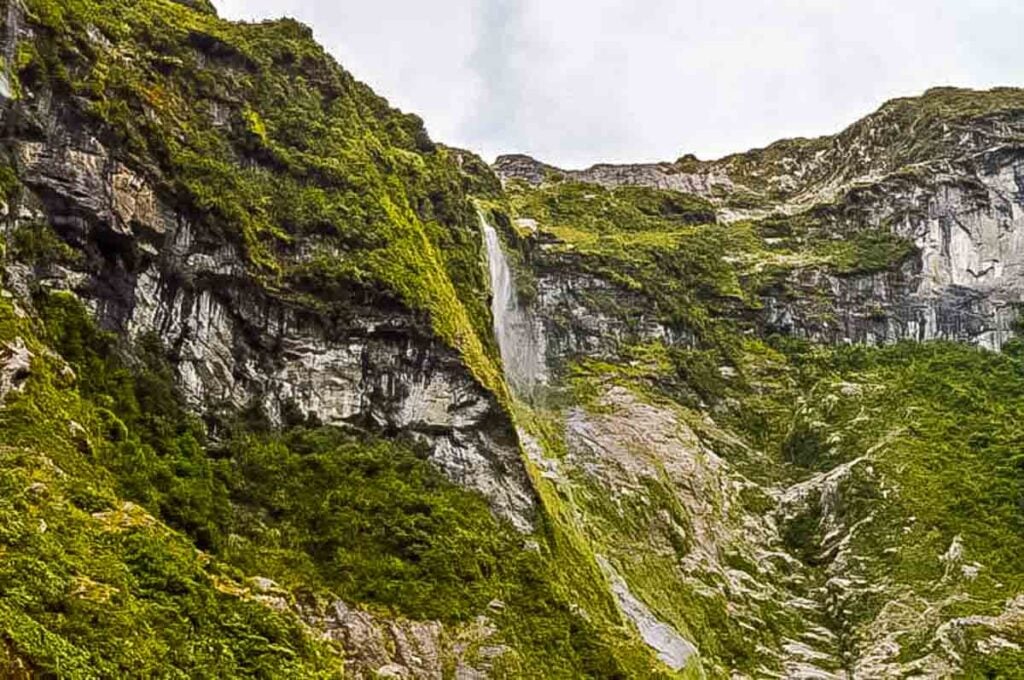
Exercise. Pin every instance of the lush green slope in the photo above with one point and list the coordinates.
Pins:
(92, 584)
(256, 132)
(129, 534)
(159, 525)
(890, 477)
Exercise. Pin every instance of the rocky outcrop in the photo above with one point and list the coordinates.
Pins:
(964, 282)
(672, 648)
(400, 649)
(15, 367)
(147, 268)
(584, 315)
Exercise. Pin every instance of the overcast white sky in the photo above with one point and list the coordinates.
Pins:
(575, 82)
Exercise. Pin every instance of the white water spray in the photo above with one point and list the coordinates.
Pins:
(519, 338)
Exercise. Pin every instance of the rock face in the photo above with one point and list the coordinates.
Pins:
(778, 537)
(657, 175)
(387, 648)
(673, 649)
(15, 367)
(585, 315)
(965, 282)
(147, 269)
(959, 199)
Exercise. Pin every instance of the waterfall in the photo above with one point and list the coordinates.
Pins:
(519, 338)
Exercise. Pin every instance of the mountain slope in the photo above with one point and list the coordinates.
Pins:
(254, 419)
(244, 306)
(793, 505)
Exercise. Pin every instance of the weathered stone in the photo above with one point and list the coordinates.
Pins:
(399, 648)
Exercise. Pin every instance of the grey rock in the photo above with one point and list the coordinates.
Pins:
(376, 646)
(149, 270)
(672, 648)
(965, 282)
(583, 315)
(15, 367)
(658, 175)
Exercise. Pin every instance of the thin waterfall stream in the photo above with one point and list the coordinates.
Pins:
(519, 338)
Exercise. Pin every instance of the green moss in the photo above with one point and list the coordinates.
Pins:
(593, 209)
(937, 424)
(93, 586)
(37, 244)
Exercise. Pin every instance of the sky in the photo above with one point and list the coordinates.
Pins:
(577, 82)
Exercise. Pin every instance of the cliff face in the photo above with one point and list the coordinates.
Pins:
(149, 269)
(152, 265)
(942, 173)
(251, 372)
(261, 242)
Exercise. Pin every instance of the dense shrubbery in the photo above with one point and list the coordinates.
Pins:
(939, 428)
(257, 137)
(321, 511)
(91, 586)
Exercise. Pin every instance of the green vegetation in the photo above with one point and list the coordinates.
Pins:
(257, 133)
(783, 411)
(129, 513)
(321, 510)
(937, 427)
(701, 277)
(92, 585)
(131, 529)
(593, 209)
(940, 424)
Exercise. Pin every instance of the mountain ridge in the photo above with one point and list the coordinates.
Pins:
(952, 104)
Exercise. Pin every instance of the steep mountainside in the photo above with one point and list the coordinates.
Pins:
(287, 389)
(940, 172)
(793, 505)
(245, 328)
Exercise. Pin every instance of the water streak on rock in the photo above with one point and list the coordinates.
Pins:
(522, 347)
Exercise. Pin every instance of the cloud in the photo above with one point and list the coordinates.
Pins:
(582, 81)
(500, 44)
